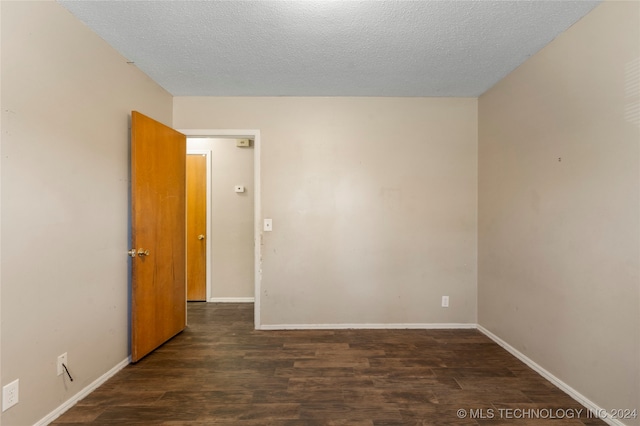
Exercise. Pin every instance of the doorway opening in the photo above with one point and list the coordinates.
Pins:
(233, 214)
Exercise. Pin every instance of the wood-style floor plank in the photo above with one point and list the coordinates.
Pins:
(220, 371)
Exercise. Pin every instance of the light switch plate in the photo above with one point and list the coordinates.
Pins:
(268, 225)
(238, 188)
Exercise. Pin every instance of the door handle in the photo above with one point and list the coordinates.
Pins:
(143, 252)
(201, 237)
(132, 252)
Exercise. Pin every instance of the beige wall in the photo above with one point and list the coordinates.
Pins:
(559, 214)
(66, 98)
(373, 202)
(231, 238)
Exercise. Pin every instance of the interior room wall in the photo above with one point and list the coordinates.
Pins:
(232, 215)
(66, 99)
(559, 215)
(373, 202)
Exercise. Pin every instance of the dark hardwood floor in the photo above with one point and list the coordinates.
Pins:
(220, 371)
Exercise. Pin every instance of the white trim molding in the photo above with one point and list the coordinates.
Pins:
(82, 394)
(399, 326)
(590, 405)
(231, 299)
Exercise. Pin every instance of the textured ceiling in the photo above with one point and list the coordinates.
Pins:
(328, 48)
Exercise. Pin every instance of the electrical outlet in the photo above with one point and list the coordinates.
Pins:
(62, 359)
(445, 301)
(10, 394)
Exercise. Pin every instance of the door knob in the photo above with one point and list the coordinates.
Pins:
(143, 252)
(132, 252)
(201, 237)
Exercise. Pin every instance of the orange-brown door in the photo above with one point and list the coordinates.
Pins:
(158, 187)
(196, 227)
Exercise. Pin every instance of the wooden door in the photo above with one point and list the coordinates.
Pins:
(196, 227)
(158, 222)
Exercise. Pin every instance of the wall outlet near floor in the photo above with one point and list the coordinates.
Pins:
(62, 359)
(10, 394)
(445, 301)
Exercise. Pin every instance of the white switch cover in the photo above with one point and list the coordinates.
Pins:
(268, 225)
(445, 301)
(239, 188)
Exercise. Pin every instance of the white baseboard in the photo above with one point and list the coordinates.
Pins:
(83, 393)
(231, 299)
(366, 326)
(590, 405)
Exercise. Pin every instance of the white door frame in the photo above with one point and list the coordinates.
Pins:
(253, 134)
